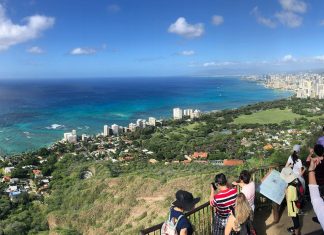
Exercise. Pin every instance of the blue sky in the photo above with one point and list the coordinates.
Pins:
(104, 38)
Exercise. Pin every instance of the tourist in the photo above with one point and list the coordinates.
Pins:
(317, 200)
(319, 170)
(291, 197)
(222, 201)
(320, 140)
(247, 187)
(296, 164)
(239, 222)
(184, 202)
(319, 152)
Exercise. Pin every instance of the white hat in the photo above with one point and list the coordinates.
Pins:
(296, 148)
(288, 175)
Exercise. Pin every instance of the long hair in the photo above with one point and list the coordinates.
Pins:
(294, 157)
(242, 209)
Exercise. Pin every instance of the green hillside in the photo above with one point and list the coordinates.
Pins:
(140, 196)
(126, 193)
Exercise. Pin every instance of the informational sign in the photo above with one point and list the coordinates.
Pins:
(273, 187)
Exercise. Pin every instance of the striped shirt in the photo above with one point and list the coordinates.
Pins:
(223, 200)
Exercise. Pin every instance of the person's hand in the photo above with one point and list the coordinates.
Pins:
(313, 163)
(234, 183)
(311, 151)
(317, 160)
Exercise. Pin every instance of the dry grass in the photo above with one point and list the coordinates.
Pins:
(126, 204)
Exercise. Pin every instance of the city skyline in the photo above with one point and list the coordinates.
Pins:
(46, 39)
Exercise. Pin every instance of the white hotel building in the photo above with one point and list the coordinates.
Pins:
(106, 130)
(152, 121)
(115, 129)
(177, 113)
(70, 137)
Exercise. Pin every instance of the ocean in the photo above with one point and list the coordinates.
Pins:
(36, 113)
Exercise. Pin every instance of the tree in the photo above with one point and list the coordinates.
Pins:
(44, 152)
(16, 228)
(5, 207)
(19, 173)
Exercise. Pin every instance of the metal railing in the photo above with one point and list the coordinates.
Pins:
(202, 216)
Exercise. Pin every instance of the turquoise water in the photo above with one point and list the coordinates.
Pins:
(36, 113)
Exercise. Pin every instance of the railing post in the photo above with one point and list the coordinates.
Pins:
(275, 212)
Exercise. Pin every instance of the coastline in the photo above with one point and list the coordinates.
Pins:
(211, 95)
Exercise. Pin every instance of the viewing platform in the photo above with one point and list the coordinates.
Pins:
(269, 218)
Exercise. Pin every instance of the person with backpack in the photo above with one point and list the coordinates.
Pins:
(240, 220)
(178, 223)
(290, 177)
(221, 201)
(296, 164)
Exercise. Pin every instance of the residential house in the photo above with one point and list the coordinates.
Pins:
(197, 155)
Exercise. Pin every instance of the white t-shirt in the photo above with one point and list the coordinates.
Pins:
(249, 191)
(317, 202)
(297, 166)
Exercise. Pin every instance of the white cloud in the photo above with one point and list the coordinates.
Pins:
(217, 20)
(182, 28)
(113, 8)
(289, 19)
(290, 14)
(288, 58)
(12, 34)
(83, 51)
(297, 6)
(35, 50)
(218, 64)
(285, 63)
(319, 58)
(262, 20)
(187, 53)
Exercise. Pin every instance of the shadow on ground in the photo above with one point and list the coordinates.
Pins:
(265, 225)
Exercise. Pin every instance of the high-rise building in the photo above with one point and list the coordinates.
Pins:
(84, 137)
(152, 121)
(120, 130)
(132, 126)
(195, 114)
(187, 112)
(106, 130)
(177, 113)
(141, 123)
(66, 136)
(115, 129)
(70, 137)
